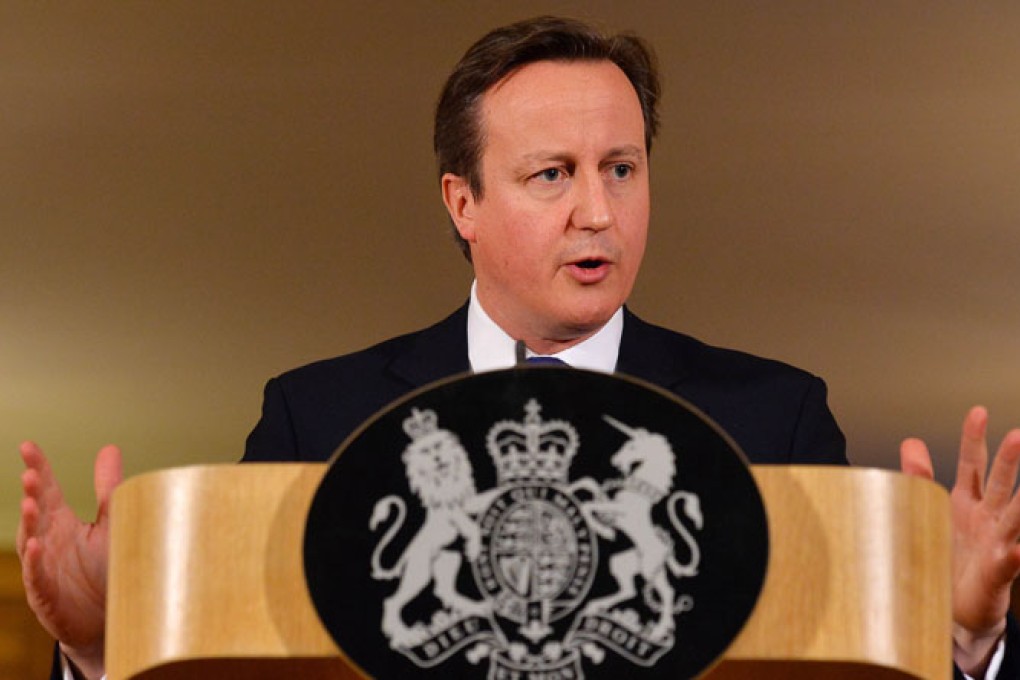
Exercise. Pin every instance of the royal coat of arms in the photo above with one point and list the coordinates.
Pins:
(533, 543)
(536, 524)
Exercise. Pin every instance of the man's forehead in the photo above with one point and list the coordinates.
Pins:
(546, 97)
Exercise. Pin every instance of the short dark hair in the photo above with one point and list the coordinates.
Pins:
(458, 137)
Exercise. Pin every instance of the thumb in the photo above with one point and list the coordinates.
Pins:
(106, 476)
(915, 459)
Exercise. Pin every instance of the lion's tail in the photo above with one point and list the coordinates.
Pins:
(692, 508)
(380, 513)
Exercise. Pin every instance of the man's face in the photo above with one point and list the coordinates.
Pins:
(558, 236)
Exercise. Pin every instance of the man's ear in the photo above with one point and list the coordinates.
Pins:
(460, 203)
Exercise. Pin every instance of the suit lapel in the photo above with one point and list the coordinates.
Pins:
(645, 354)
(439, 351)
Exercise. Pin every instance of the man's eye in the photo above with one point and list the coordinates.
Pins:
(621, 171)
(550, 174)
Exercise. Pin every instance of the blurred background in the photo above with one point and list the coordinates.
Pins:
(195, 197)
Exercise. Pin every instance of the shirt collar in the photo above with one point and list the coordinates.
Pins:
(491, 349)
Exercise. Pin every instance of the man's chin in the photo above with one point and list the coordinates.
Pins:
(588, 320)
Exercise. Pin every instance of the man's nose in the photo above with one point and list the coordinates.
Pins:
(593, 209)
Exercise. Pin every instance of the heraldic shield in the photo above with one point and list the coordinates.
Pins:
(538, 523)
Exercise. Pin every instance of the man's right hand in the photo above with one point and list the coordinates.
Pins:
(63, 560)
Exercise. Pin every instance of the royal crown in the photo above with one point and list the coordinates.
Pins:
(420, 423)
(532, 450)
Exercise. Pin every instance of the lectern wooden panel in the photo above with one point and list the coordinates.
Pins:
(206, 578)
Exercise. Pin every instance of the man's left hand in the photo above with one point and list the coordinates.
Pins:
(986, 528)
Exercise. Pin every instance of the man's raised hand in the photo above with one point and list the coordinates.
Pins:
(64, 560)
(986, 528)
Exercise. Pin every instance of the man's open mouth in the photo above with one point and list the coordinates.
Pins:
(590, 270)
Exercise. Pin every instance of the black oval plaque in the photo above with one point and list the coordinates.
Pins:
(536, 523)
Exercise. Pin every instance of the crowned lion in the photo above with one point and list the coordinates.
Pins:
(439, 472)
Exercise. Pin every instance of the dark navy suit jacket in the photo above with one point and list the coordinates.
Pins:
(776, 413)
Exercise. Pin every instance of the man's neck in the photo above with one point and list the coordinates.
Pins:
(491, 347)
(543, 334)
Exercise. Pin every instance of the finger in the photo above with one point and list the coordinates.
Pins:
(1009, 525)
(108, 472)
(44, 487)
(26, 525)
(915, 459)
(30, 561)
(970, 468)
(36, 582)
(34, 459)
(33, 574)
(29, 564)
(1002, 477)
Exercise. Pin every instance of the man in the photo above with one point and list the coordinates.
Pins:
(542, 135)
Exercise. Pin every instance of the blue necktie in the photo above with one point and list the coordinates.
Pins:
(545, 361)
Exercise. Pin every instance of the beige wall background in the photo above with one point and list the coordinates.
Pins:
(197, 196)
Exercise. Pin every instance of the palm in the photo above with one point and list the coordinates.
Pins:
(986, 523)
(986, 527)
(64, 559)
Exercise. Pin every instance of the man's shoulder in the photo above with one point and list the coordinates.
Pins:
(308, 411)
(776, 412)
(367, 359)
(696, 359)
(397, 355)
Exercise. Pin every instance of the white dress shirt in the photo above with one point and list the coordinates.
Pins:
(491, 349)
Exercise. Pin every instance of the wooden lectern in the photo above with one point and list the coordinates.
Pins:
(206, 578)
